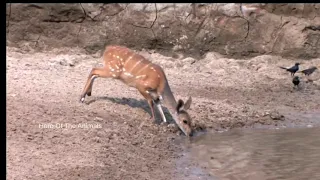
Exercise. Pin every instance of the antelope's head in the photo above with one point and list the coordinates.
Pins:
(183, 118)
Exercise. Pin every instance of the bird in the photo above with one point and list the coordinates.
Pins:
(293, 69)
(296, 81)
(308, 71)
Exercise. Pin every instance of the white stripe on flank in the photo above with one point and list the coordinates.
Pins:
(138, 62)
(129, 59)
(143, 68)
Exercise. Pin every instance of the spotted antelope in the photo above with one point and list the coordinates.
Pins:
(148, 78)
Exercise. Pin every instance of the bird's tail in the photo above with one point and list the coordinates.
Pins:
(282, 67)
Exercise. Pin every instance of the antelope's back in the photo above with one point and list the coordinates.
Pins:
(130, 61)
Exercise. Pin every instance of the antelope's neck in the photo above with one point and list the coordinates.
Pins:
(168, 99)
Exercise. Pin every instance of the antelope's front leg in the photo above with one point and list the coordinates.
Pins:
(156, 98)
(157, 102)
(94, 73)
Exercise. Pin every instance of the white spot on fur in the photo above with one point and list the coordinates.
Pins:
(113, 75)
(128, 74)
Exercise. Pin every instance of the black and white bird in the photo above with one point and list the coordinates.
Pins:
(292, 69)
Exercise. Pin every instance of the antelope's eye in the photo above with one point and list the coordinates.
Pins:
(185, 121)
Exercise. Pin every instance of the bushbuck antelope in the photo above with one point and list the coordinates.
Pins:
(148, 78)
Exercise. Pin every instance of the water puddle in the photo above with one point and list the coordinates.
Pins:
(291, 154)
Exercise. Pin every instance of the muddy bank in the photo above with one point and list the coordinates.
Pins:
(234, 30)
(115, 137)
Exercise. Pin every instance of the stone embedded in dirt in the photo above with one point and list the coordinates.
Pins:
(67, 62)
(98, 118)
(188, 60)
(276, 116)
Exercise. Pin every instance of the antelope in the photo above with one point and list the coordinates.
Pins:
(149, 79)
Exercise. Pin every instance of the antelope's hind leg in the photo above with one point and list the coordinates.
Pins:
(94, 73)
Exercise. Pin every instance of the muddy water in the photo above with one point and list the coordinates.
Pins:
(292, 153)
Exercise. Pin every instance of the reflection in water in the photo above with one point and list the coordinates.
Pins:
(259, 154)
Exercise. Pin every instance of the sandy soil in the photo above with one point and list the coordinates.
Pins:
(111, 136)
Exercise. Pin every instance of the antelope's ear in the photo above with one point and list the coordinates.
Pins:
(187, 104)
(179, 105)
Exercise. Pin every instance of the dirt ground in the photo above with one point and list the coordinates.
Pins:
(51, 135)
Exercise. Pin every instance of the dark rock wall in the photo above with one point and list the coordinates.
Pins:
(289, 30)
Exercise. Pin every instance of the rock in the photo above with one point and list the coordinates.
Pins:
(276, 116)
(67, 62)
(289, 30)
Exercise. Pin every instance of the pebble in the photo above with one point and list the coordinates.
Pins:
(309, 126)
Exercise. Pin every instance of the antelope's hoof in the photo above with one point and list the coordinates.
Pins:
(89, 93)
(82, 99)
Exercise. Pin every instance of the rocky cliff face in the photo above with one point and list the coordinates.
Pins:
(234, 30)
